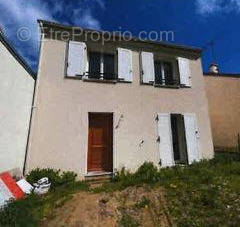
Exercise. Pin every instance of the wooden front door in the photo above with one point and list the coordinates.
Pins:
(100, 142)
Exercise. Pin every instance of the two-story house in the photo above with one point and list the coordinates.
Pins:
(16, 95)
(100, 107)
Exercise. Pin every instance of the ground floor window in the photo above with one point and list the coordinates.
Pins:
(179, 139)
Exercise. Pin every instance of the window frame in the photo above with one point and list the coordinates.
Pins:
(175, 70)
(101, 76)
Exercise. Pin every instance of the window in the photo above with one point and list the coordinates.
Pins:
(168, 73)
(179, 139)
(164, 73)
(101, 66)
(158, 72)
(108, 66)
(94, 65)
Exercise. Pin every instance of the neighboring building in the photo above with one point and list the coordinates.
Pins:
(99, 108)
(16, 94)
(223, 92)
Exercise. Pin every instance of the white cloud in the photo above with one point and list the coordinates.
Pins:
(208, 7)
(15, 14)
(84, 18)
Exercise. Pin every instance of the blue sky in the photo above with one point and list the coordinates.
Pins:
(194, 22)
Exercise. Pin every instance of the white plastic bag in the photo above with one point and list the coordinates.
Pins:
(42, 186)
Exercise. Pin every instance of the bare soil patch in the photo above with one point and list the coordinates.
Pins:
(134, 206)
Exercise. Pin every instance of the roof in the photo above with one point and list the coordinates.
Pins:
(44, 24)
(15, 54)
(236, 75)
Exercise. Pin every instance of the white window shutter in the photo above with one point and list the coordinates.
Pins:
(184, 71)
(165, 140)
(192, 138)
(147, 62)
(77, 56)
(125, 71)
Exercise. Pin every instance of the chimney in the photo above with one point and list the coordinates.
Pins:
(213, 68)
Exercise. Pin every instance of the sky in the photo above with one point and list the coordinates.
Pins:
(194, 22)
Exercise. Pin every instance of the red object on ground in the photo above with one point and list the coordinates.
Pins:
(12, 185)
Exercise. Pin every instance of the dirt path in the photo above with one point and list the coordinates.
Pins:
(139, 206)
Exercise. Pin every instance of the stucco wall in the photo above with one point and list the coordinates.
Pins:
(224, 106)
(16, 93)
(59, 132)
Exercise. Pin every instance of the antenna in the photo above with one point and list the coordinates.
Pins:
(211, 44)
(214, 66)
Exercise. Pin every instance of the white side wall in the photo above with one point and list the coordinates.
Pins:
(16, 93)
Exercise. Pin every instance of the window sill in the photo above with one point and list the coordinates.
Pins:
(74, 77)
(123, 81)
(148, 84)
(85, 79)
(99, 80)
(184, 86)
(167, 86)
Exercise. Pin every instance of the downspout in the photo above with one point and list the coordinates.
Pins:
(31, 122)
(29, 128)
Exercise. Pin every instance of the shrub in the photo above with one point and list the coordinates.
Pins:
(54, 176)
(68, 177)
(147, 173)
(36, 174)
(121, 175)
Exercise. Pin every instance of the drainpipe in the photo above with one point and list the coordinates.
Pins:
(29, 128)
(31, 122)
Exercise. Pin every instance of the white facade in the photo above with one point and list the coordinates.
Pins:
(16, 93)
(148, 117)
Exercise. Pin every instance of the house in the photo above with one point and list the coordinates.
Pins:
(223, 92)
(16, 94)
(100, 107)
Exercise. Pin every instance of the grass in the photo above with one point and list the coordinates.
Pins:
(127, 221)
(203, 194)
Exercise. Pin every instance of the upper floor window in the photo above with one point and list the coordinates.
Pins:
(101, 66)
(159, 71)
(164, 73)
